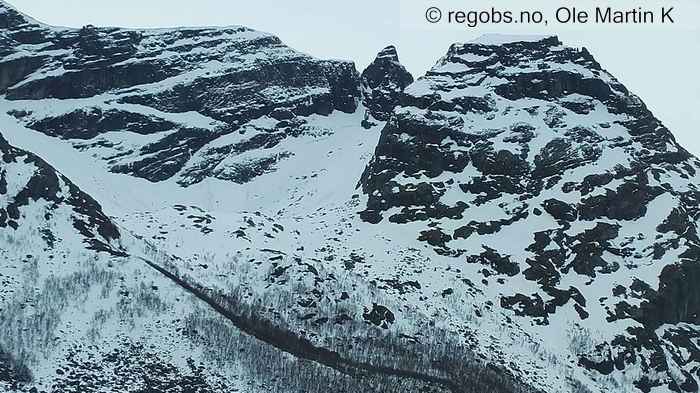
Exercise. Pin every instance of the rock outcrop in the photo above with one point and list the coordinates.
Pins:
(28, 183)
(383, 82)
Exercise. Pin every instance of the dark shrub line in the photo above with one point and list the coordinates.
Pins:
(300, 347)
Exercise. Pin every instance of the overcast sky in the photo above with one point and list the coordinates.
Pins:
(659, 63)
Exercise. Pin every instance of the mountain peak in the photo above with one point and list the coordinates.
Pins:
(502, 39)
(388, 53)
(503, 46)
(500, 45)
(508, 56)
(383, 81)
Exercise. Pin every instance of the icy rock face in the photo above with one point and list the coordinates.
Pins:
(383, 81)
(530, 160)
(27, 181)
(180, 89)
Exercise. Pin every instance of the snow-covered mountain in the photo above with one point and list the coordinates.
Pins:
(571, 205)
(209, 210)
(190, 95)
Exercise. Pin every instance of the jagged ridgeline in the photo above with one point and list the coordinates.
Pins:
(241, 216)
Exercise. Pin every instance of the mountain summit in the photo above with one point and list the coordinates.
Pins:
(383, 81)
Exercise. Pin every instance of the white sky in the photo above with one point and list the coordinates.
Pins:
(659, 63)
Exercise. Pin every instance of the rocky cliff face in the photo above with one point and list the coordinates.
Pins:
(383, 81)
(532, 162)
(180, 89)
